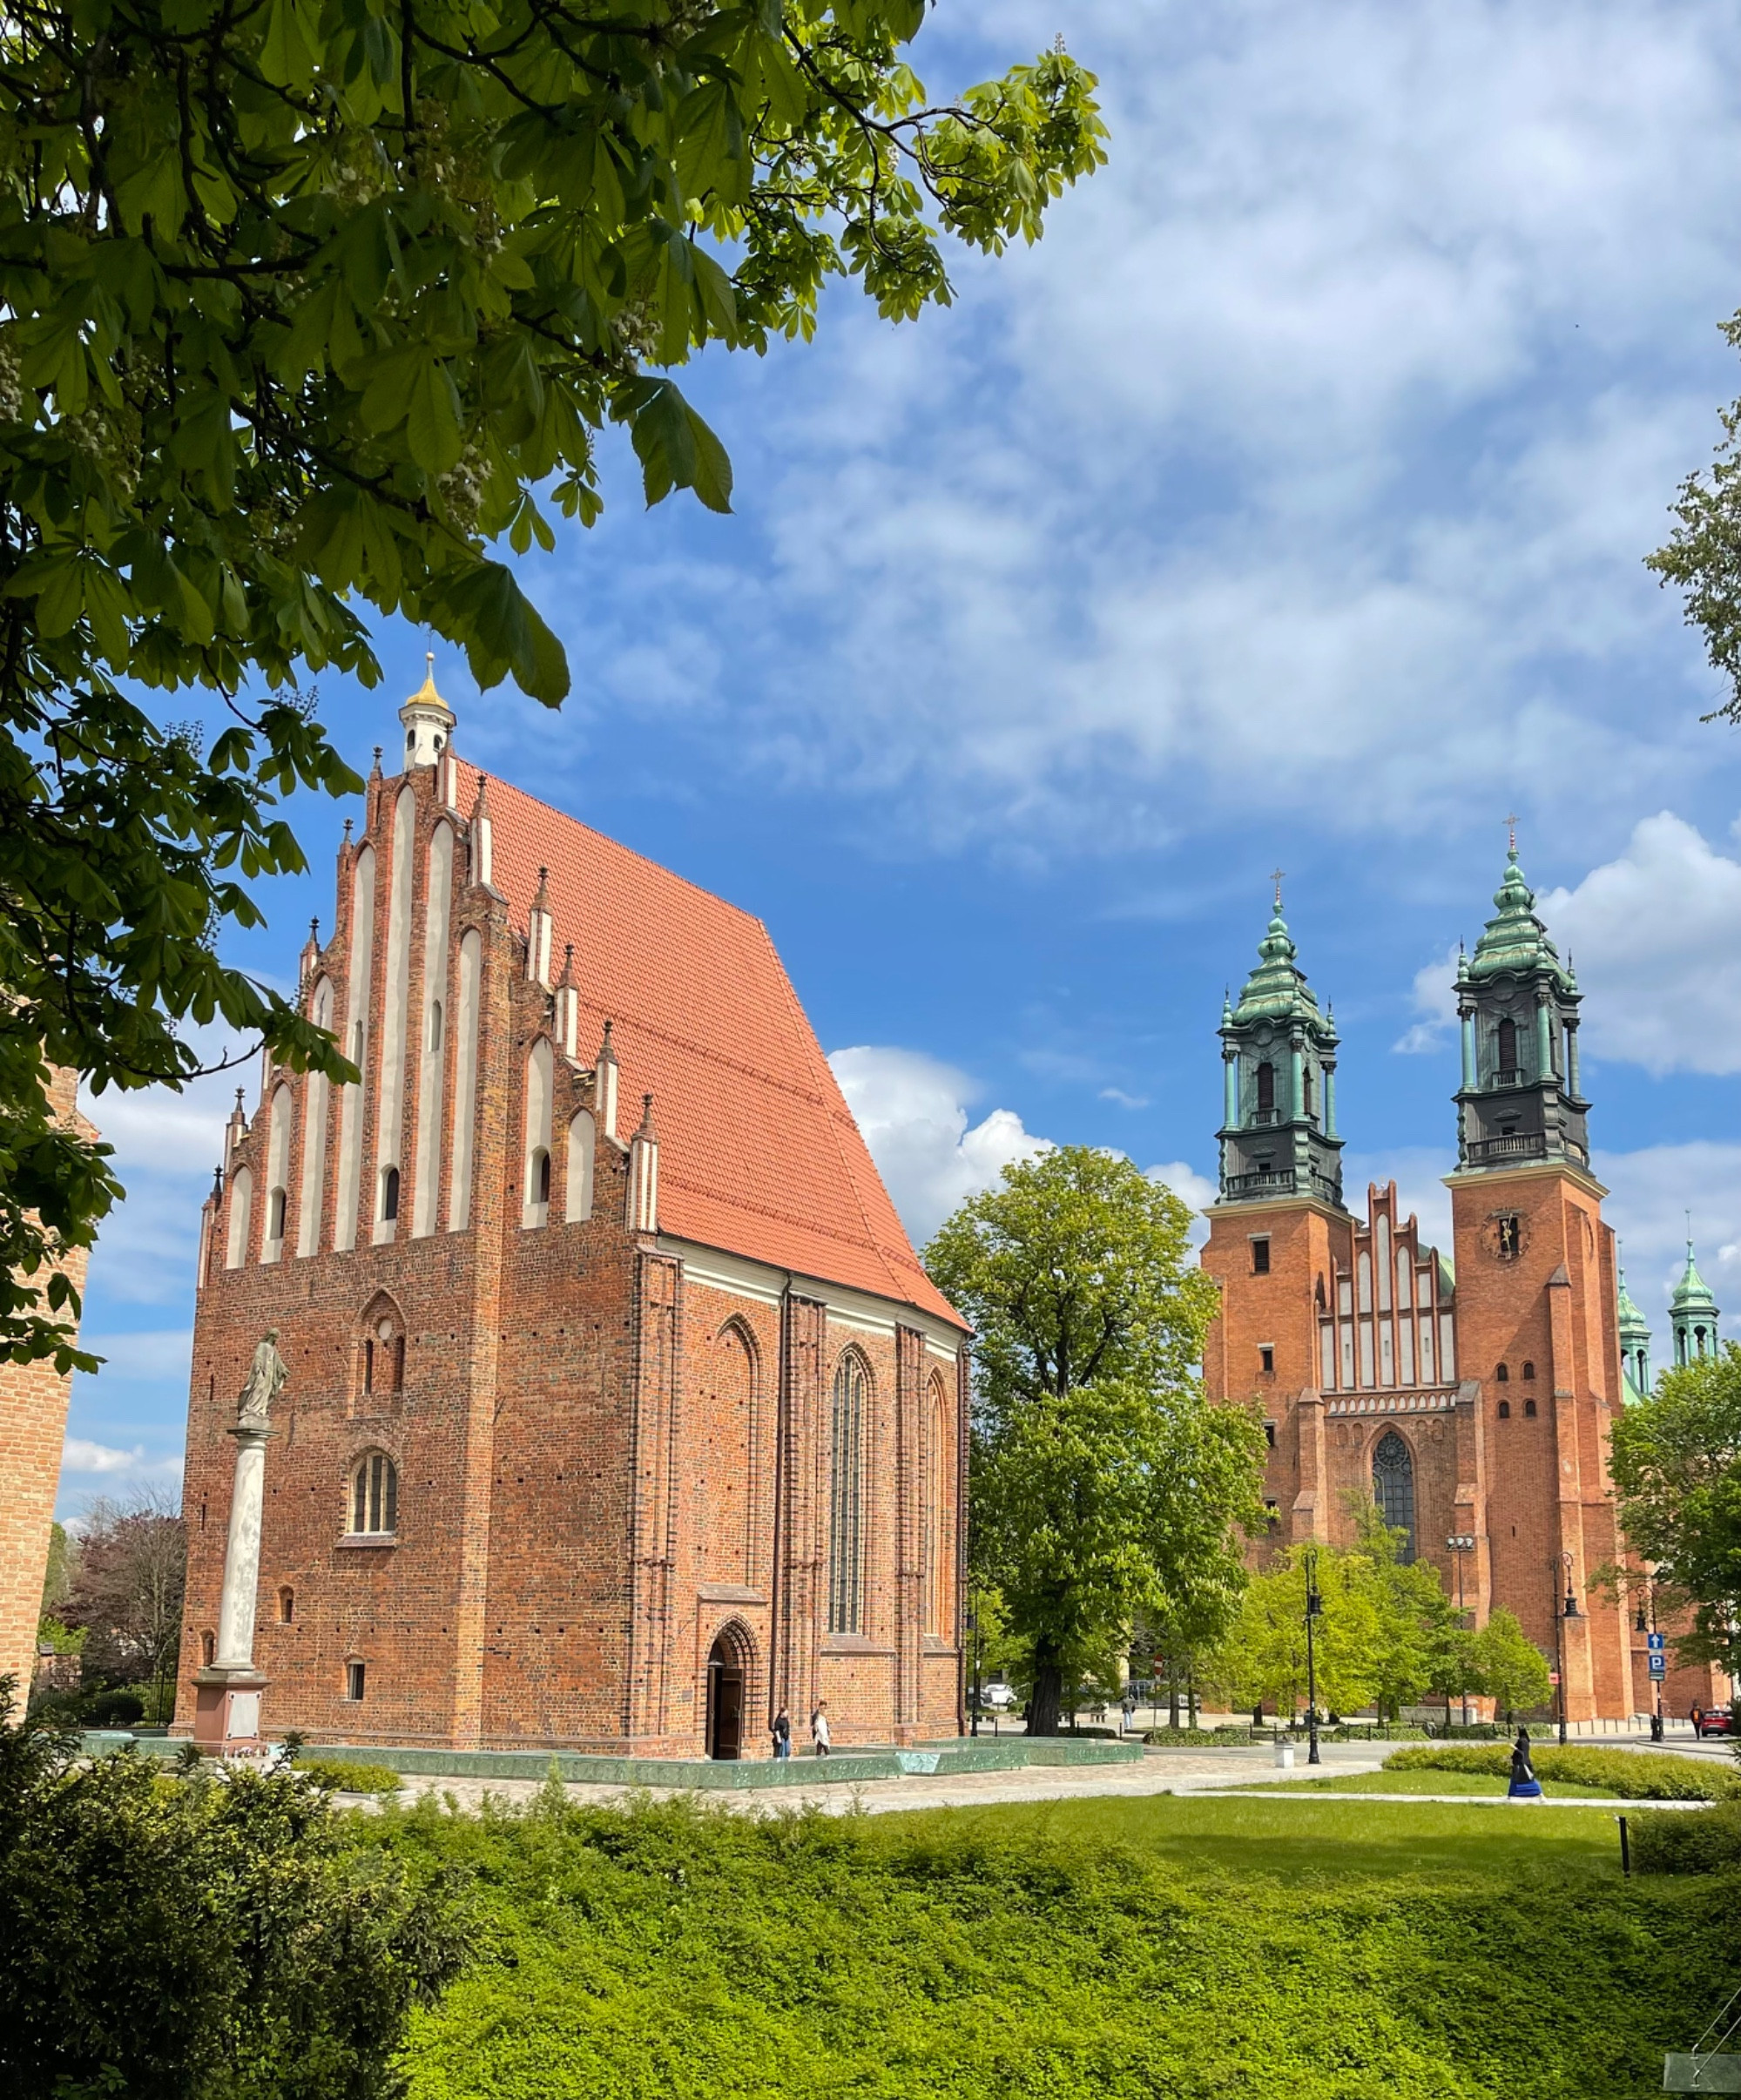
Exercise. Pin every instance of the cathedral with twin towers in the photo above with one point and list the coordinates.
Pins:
(1470, 1392)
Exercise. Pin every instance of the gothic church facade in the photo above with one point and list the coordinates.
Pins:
(620, 1411)
(1472, 1392)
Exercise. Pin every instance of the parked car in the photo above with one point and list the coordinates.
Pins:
(1715, 1721)
(1002, 1697)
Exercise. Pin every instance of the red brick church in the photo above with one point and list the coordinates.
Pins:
(620, 1411)
(1470, 1394)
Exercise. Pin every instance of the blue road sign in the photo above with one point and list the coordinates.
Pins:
(1655, 1641)
(1659, 1665)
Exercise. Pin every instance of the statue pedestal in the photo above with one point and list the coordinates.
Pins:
(226, 1713)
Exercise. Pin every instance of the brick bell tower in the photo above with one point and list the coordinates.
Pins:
(1278, 1227)
(1537, 1297)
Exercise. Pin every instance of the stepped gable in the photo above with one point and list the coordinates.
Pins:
(759, 1153)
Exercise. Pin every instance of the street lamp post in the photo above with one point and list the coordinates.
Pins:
(973, 1630)
(1562, 1613)
(1460, 1543)
(1314, 1605)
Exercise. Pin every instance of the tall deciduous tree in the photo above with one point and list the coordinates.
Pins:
(1508, 1667)
(128, 1583)
(1263, 1657)
(1676, 1467)
(1104, 1486)
(304, 308)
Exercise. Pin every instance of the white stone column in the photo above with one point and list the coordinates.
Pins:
(241, 1554)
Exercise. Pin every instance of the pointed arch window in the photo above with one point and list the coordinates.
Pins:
(1394, 1488)
(375, 1496)
(1508, 1050)
(846, 1495)
(1266, 1089)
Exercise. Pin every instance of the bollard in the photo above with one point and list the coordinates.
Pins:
(1625, 1849)
(1285, 1756)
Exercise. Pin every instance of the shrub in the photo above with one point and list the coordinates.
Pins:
(335, 1776)
(210, 1938)
(118, 1709)
(1629, 1775)
(1706, 1841)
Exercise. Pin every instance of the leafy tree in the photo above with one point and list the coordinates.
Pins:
(1676, 1460)
(1508, 1668)
(1702, 552)
(58, 1576)
(1416, 1649)
(200, 1940)
(132, 1575)
(1263, 1656)
(1103, 1485)
(303, 308)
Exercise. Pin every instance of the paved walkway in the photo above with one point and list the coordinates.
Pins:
(1239, 1771)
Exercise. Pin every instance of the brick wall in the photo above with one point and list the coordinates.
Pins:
(33, 1404)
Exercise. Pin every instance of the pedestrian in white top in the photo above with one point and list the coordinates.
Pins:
(819, 1730)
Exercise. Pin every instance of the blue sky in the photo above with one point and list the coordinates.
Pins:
(1285, 506)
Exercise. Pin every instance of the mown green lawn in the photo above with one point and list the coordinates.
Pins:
(1080, 1950)
(1424, 1782)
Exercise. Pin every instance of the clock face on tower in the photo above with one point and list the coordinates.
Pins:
(1505, 1236)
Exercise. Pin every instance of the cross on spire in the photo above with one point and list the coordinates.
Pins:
(1511, 836)
(1276, 877)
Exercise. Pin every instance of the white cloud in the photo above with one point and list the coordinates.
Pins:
(80, 1455)
(913, 1111)
(1653, 934)
(1117, 1094)
(1318, 442)
(1435, 1001)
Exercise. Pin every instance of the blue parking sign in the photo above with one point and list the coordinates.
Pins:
(1659, 1665)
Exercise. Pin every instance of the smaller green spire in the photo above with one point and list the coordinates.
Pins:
(1634, 1344)
(1692, 1292)
(1693, 1313)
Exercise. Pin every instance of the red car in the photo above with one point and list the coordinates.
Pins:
(1720, 1720)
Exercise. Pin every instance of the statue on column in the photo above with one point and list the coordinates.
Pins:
(266, 1379)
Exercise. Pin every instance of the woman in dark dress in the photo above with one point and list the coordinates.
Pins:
(1524, 1787)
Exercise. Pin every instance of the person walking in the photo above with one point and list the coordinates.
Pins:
(819, 1730)
(1524, 1787)
(782, 1734)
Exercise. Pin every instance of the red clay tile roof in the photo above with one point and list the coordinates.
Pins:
(759, 1153)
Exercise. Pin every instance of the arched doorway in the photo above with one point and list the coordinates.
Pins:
(725, 1701)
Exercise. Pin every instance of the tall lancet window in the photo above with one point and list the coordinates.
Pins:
(583, 1143)
(277, 1173)
(1394, 1488)
(1266, 1089)
(540, 1082)
(1508, 1049)
(845, 1496)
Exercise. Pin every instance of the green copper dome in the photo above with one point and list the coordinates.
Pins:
(1693, 1293)
(1634, 1327)
(1276, 990)
(1515, 939)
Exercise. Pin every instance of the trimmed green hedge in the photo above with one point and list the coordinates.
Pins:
(349, 1778)
(1708, 1841)
(667, 1953)
(1629, 1775)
